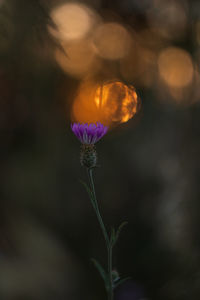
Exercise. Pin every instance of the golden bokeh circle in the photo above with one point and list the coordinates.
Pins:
(110, 103)
(175, 67)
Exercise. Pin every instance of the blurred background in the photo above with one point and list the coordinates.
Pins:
(135, 66)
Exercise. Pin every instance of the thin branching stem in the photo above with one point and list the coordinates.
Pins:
(104, 231)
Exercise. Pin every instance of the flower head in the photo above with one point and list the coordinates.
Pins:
(89, 134)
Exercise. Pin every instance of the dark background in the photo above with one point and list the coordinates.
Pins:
(149, 167)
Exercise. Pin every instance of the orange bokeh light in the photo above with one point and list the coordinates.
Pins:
(110, 103)
(111, 41)
(78, 58)
(176, 67)
(73, 21)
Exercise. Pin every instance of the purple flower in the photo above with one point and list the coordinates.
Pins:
(89, 134)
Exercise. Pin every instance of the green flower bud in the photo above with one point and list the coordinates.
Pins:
(88, 156)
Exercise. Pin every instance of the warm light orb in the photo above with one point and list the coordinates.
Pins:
(111, 41)
(117, 101)
(110, 103)
(175, 67)
(73, 21)
(77, 59)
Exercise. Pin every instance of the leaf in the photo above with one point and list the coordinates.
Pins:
(115, 276)
(86, 187)
(121, 281)
(115, 235)
(112, 236)
(119, 231)
(89, 193)
(102, 272)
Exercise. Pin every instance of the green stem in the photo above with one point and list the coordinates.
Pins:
(104, 231)
(110, 294)
(97, 208)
